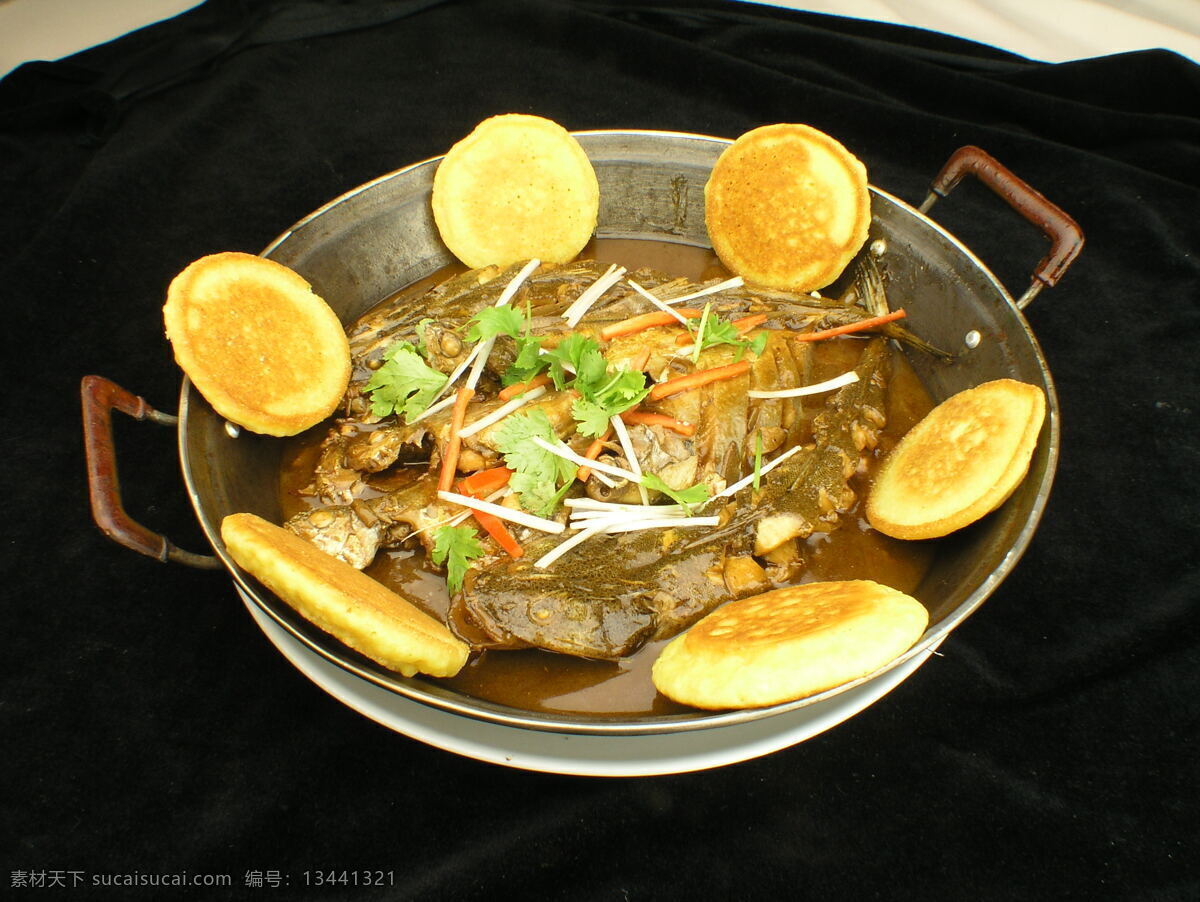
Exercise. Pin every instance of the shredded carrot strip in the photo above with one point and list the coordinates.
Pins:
(450, 462)
(853, 327)
(495, 528)
(646, 418)
(645, 321)
(484, 482)
(507, 394)
(480, 485)
(743, 325)
(592, 452)
(697, 379)
(746, 323)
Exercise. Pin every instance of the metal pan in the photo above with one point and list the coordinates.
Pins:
(370, 242)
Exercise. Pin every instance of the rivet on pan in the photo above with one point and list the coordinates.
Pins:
(233, 430)
(878, 247)
(973, 339)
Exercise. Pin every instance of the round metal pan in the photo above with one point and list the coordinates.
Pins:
(372, 241)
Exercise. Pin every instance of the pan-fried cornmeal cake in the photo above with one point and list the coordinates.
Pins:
(787, 207)
(788, 644)
(959, 463)
(518, 187)
(263, 349)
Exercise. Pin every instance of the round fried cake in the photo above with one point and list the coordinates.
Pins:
(788, 644)
(342, 601)
(263, 349)
(959, 463)
(787, 207)
(518, 187)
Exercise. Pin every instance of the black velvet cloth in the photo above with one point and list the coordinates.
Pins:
(1048, 751)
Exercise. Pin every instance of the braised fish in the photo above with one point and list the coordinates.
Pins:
(608, 598)
(376, 476)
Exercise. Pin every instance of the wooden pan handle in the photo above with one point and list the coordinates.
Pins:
(1066, 238)
(100, 397)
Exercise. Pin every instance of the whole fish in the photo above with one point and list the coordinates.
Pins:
(608, 597)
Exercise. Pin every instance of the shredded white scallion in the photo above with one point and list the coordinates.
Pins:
(481, 350)
(639, 512)
(605, 480)
(432, 409)
(501, 412)
(563, 547)
(484, 348)
(459, 518)
(582, 304)
(766, 468)
(735, 282)
(847, 378)
(618, 426)
(593, 504)
(661, 305)
(504, 513)
(594, 465)
(615, 526)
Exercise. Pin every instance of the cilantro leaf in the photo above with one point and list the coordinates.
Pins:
(422, 326)
(712, 331)
(721, 332)
(492, 321)
(591, 418)
(456, 547)
(580, 353)
(538, 496)
(537, 473)
(528, 362)
(696, 494)
(600, 402)
(622, 390)
(404, 383)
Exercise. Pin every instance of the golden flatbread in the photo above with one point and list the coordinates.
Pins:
(263, 349)
(342, 601)
(787, 207)
(518, 187)
(959, 463)
(788, 644)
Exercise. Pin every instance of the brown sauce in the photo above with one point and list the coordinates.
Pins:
(541, 681)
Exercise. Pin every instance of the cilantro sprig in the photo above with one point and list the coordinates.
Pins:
(491, 322)
(540, 478)
(404, 384)
(528, 362)
(455, 547)
(693, 495)
(577, 362)
(710, 330)
(600, 402)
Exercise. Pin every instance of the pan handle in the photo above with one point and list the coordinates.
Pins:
(1066, 238)
(100, 397)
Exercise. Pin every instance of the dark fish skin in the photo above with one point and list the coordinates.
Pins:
(809, 492)
(609, 597)
(605, 603)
